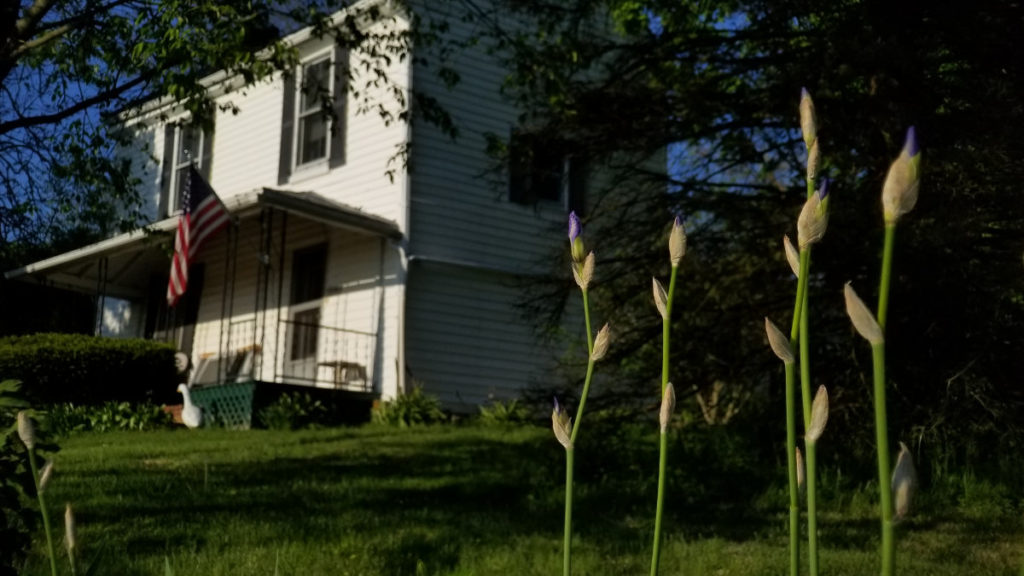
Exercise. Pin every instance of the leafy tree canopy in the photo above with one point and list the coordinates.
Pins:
(717, 85)
(66, 66)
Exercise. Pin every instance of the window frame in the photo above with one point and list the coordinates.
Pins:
(298, 166)
(177, 167)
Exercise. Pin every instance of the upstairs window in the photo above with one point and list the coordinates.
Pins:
(185, 143)
(544, 171)
(313, 115)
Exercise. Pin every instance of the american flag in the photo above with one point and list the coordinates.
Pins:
(202, 216)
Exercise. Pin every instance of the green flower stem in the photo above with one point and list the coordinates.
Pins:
(662, 466)
(666, 328)
(811, 459)
(666, 331)
(794, 333)
(570, 452)
(882, 438)
(567, 544)
(881, 418)
(586, 317)
(794, 489)
(811, 449)
(42, 511)
(883, 289)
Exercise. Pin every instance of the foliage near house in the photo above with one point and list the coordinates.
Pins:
(59, 368)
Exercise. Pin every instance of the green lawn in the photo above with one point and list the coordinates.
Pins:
(459, 500)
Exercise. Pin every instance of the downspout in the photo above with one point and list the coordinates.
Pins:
(401, 245)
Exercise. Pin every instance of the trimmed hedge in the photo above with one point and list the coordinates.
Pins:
(88, 370)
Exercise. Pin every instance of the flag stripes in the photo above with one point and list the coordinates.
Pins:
(202, 216)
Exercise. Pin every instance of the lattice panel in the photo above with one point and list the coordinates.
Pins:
(227, 405)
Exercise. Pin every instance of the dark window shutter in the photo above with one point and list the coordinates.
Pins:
(206, 164)
(339, 126)
(166, 170)
(520, 162)
(284, 169)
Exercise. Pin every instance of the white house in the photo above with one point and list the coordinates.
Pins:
(338, 273)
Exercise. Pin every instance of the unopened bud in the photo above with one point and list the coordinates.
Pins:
(69, 530)
(904, 482)
(792, 256)
(601, 343)
(808, 119)
(584, 273)
(575, 241)
(660, 298)
(677, 242)
(26, 430)
(779, 343)
(899, 194)
(813, 162)
(813, 221)
(863, 320)
(819, 415)
(561, 423)
(45, 475)
(668, 406)
(801, 476)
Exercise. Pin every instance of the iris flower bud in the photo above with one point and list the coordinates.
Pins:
(792, 255)
(668, 406)
(819, 415)
(26, 430)
(808, 119)
(904, 482)
(601, 343)
(899, 194)
(561, 423)
(779, 343)
(660, 298)
(677, 242)
(813, 221)
(863, 320)
(575, 242)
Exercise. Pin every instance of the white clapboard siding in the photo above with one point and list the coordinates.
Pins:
(460, 209)
(466, 342)
(247, 144)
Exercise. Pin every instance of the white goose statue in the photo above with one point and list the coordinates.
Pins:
(191, 414)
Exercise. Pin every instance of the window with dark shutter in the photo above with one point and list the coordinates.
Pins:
(313, 119)
(541, 170)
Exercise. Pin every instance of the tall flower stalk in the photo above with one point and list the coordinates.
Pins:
(899, 195)
(27, 434)
(663, 301)
(811, 228)
(564, 427)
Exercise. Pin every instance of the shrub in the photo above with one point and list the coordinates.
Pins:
(66, 418)
(294, 411)
(500, 413)
(86, 370)
(410, 409)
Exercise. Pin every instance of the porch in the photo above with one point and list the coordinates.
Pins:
(300, 291)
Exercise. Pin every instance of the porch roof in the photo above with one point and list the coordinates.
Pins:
(128, 254)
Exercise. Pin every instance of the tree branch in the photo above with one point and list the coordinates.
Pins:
(29, 121)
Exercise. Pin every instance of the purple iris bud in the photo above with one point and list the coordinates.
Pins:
(558, 407)
(911, 146)
(804, 93)
(574, 226)
(823, 191)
